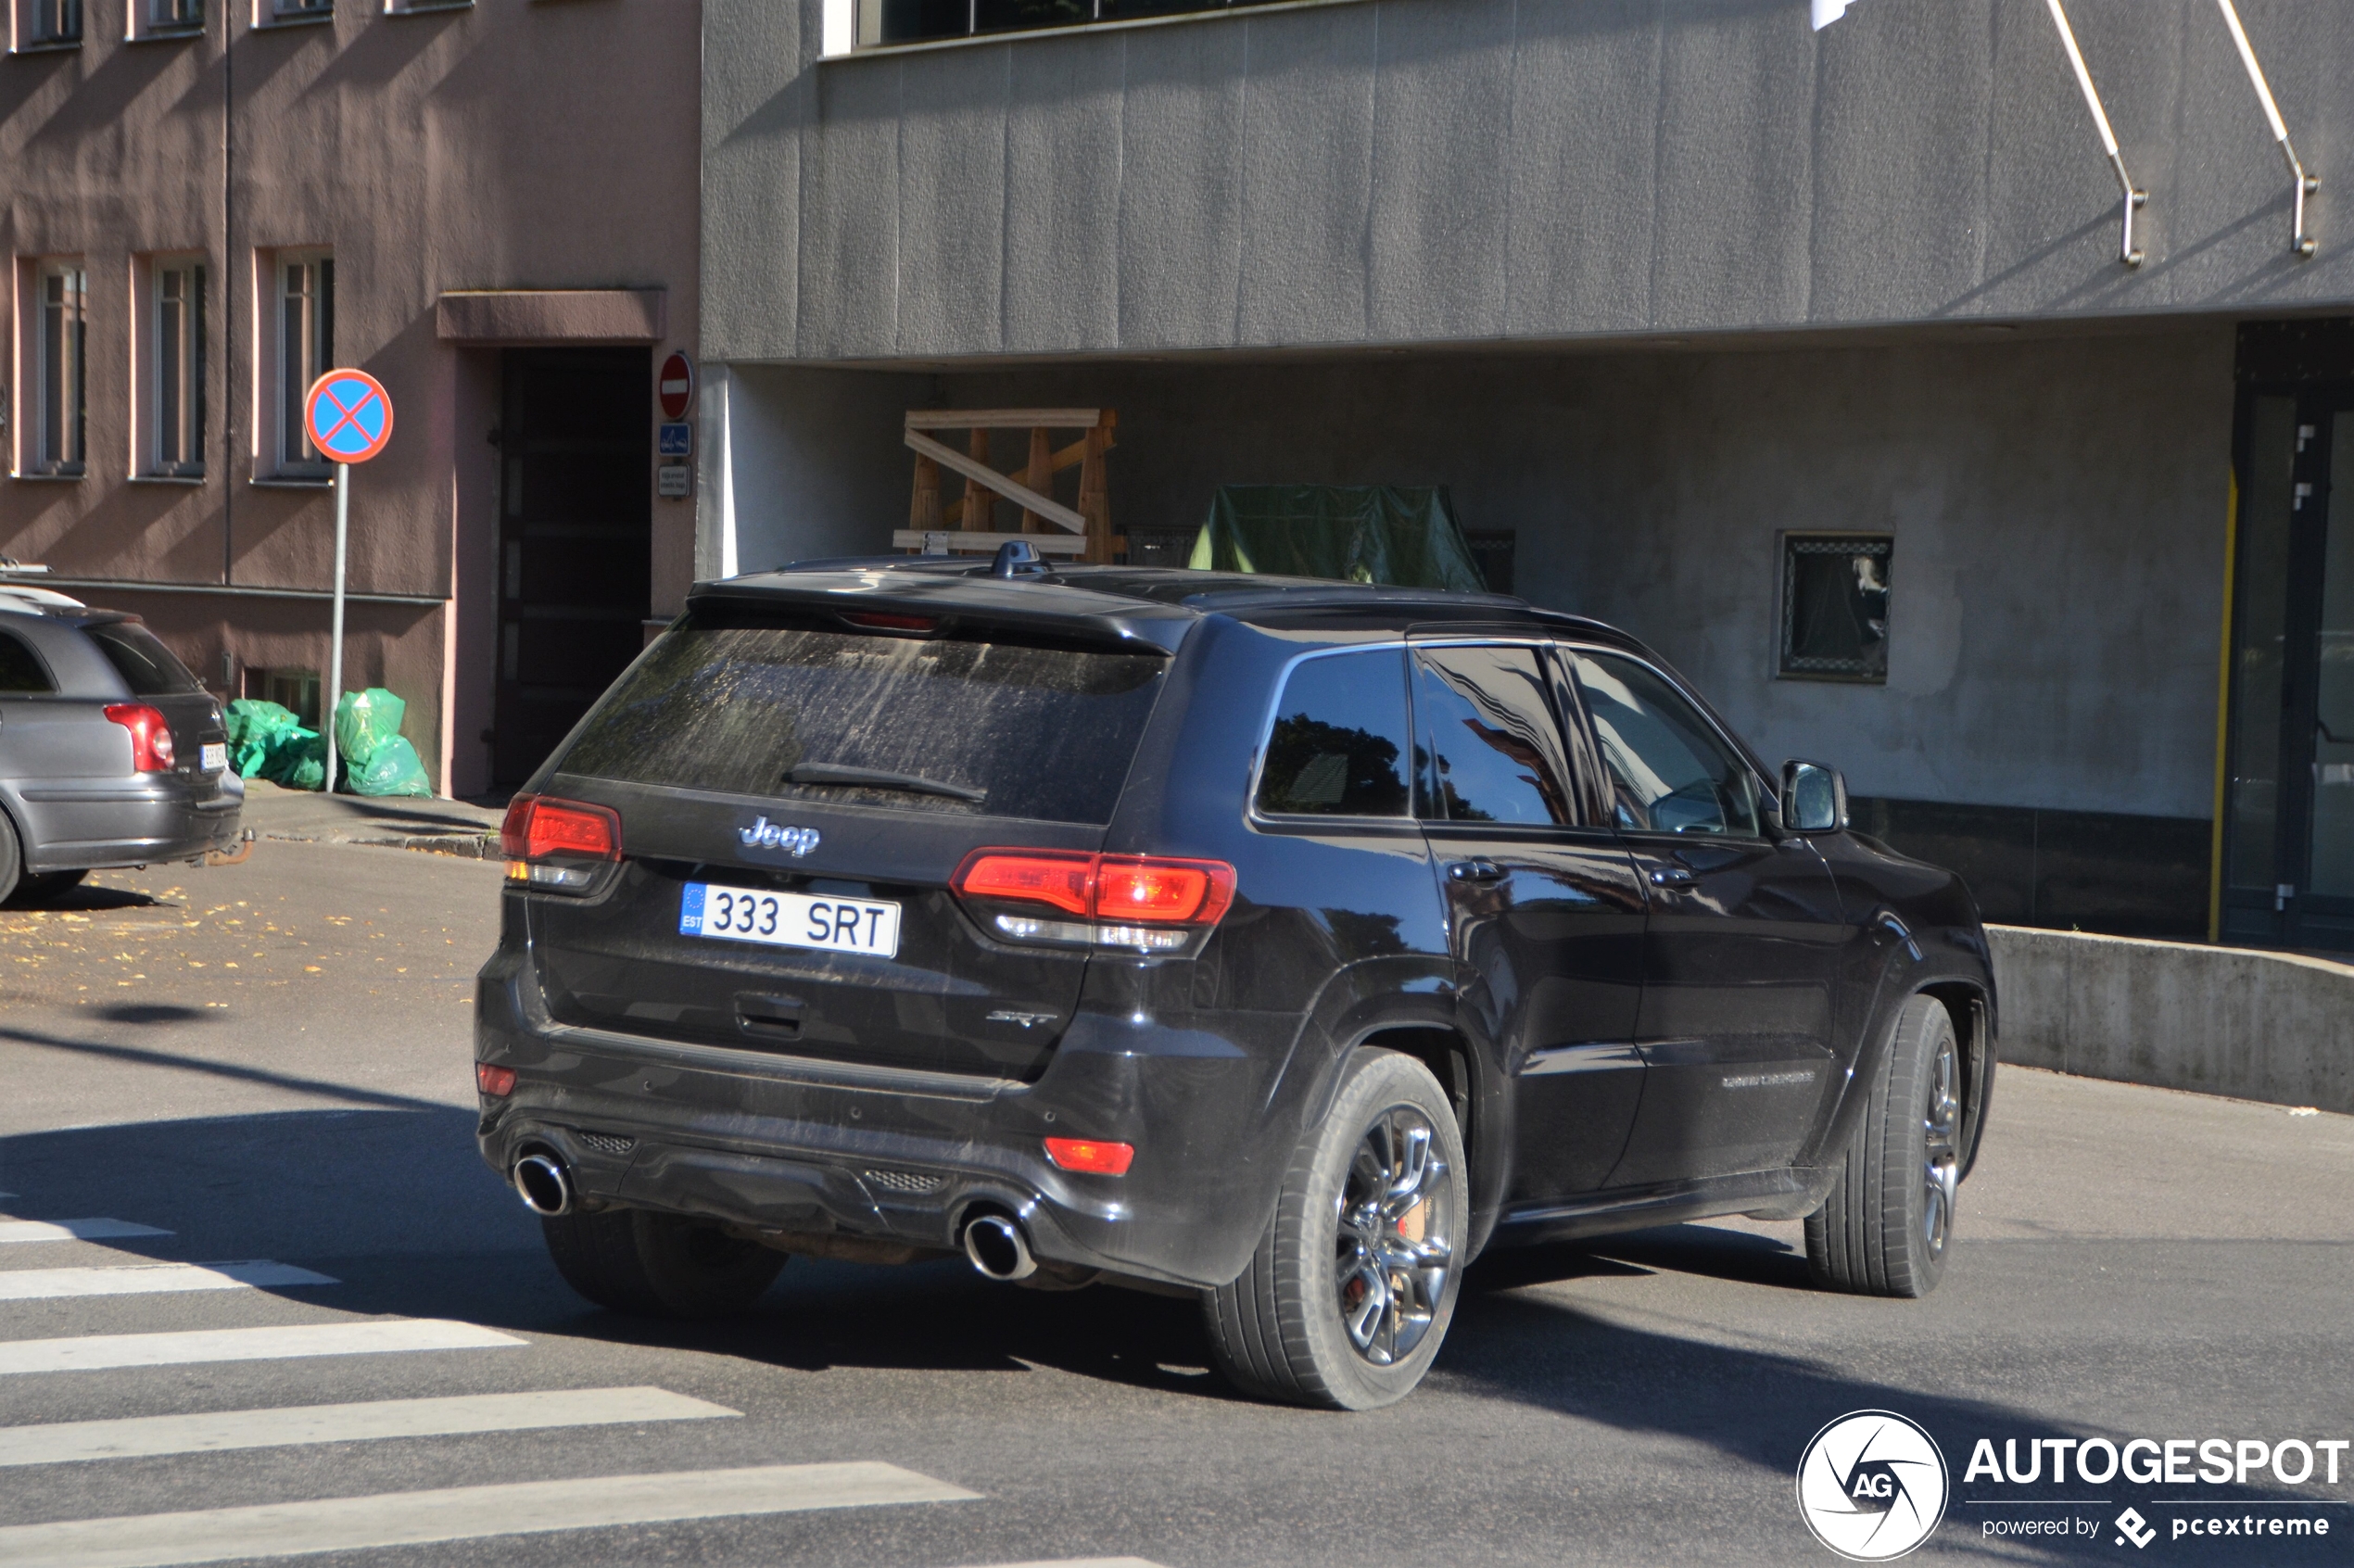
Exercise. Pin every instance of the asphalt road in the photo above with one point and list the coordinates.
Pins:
(270, 1065)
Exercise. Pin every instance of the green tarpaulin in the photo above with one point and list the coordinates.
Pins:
(1400, 534)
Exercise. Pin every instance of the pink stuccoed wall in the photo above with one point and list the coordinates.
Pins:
(506, 144)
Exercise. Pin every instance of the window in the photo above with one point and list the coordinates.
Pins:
(1489, 750)
(49, 23)
(910, 21)
(1835, 606)
(178, 399)
(172, 16)
(61, 409)
(1337, 747)
(20, 668)
(146, 667)
(298, 10)
(732, 703)
(306, 352)
(1670, 772)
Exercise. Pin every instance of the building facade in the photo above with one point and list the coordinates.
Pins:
(1812, 356)
(490, 205)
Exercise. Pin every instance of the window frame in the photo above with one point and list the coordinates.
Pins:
(1769, 797)
(292, 13)
(148, 24)
(1787, 545)
(1296, 819)
(36, 460)
(158, 346)
(28, 35)
(284, 458)
(1577, 790)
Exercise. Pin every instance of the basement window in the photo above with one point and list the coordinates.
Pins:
(924, 21)
(1834, 615)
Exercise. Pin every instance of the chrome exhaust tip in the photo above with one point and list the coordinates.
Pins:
(997, 1247)
(542, 1183)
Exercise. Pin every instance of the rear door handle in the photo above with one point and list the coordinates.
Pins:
(1671, 877)
(1481, 870)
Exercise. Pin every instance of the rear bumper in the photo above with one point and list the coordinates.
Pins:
(793, 1143)
(131, 825)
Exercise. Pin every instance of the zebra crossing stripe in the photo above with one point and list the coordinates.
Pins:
(364, 1523)
(212, 1432)
(71, 1230)
(99, 1352)
(148, 1279)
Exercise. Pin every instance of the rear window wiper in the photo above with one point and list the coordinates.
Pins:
(834, 773)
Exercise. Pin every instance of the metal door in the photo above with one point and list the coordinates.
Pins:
(575, 532)
(2289, 806)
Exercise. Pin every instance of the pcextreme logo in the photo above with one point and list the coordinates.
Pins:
(1872, 1485)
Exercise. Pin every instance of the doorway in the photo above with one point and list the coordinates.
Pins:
(575, 541)
(2289, 808)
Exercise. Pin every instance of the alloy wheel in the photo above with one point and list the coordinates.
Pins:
(1392, 1251)
(1941, 1155)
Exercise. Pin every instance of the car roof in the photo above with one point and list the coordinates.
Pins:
(1157, 604)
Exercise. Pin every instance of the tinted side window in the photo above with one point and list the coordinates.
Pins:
(146, 666)
(1668, 771)
(21, 668)
(1489, 751)
(1338, 744)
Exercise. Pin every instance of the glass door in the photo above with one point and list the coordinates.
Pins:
(2289, 838)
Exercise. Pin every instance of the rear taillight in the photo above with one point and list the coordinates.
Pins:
(496, 1081)
(151, 736)
(1144, 902)
(547, 840)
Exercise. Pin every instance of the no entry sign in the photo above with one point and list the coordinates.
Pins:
(677, 385)
(348, 416)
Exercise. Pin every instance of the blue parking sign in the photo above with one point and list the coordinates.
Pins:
(678, 440)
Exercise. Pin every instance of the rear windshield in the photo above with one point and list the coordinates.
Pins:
(146, 665)
(1046, 733)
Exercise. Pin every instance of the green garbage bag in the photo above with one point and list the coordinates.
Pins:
(393, 768)
(256, 730)
(297, 759)
(365, 720)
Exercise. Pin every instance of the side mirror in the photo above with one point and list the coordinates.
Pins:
(1814, 798)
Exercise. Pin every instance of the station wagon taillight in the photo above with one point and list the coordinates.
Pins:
(546, 839)
(151, 736)
(1147, 902)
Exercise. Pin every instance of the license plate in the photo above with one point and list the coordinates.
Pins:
(782, 920)
(213, 757)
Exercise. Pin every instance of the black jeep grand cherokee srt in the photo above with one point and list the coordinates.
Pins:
(1285, 941)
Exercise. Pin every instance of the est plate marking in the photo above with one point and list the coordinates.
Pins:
(782, 920)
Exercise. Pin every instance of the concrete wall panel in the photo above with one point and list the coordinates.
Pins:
(1584, 94)
(1180, 240)
(1700, 166)
(1062, 177)
(1441, 174)
(952, 130)
(1306, 178)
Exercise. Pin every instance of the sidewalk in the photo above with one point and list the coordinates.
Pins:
(305, 816)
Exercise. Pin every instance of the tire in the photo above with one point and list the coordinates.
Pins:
(11, 860)
(1887, 1222)
(1283, 1329)
(35, 888)
(649, 1265)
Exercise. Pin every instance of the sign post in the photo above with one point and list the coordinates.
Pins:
(349, 418)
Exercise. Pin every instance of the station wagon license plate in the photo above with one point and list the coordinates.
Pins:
(212, 757)
(781, 920)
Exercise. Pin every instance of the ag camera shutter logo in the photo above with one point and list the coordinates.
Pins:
(1872, 1485)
